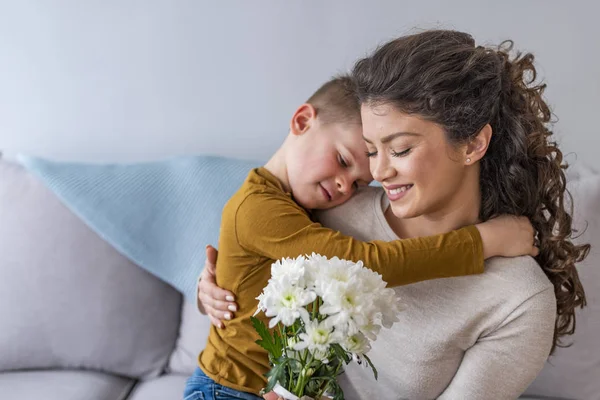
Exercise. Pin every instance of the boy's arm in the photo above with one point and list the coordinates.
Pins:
(274, 228)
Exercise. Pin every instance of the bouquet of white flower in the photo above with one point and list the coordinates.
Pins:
(326, 313)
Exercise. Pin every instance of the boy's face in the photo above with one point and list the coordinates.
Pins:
(326, 165)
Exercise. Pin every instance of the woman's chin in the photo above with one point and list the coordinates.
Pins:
(402, 211)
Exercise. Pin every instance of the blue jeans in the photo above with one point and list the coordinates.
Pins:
(201, 387)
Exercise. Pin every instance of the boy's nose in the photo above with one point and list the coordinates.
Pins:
(342, 185)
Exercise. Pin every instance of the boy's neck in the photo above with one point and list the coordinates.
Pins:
(278, 167)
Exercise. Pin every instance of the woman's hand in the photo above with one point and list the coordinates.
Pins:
(219, 304)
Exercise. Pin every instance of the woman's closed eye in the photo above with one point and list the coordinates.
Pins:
(394, 153)
(401, 153)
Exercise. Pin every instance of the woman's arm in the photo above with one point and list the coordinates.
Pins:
(211, 300)
(502, 364)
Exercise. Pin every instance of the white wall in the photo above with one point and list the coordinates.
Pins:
(110, 80)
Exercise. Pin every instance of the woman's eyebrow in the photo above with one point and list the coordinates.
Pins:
(393, 136)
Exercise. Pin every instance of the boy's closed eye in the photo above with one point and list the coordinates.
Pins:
(343, 161)
(345, 164)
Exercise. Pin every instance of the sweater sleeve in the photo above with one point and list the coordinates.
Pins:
(502, 364)
(275, 228)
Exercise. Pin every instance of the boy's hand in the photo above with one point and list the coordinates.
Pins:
(272, 396)
(508, 236)
(217, 303)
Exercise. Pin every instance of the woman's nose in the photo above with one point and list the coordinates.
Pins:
(382, 170)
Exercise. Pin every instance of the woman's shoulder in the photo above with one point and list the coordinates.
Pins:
(360, 216)
(364, 195)
(505, 285)
(363, 200)
(521, 275)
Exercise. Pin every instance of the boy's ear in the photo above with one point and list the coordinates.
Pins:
(302, 119)
(477, 147)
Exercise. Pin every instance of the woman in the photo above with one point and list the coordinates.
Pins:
(457, 133)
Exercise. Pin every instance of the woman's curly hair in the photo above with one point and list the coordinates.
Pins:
(441, 76)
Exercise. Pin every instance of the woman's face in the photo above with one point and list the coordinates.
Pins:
(422, 173)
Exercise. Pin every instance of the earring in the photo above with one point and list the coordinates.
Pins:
(468, 160)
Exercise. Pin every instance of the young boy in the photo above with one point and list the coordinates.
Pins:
(319, 166)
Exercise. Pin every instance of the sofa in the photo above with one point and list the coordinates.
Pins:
(81, 321)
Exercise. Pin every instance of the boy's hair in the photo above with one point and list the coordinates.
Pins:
(336, 101)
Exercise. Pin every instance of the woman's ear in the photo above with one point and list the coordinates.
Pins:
(478, 146)
(302, 119)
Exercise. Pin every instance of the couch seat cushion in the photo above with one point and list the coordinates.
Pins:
(193, 334)
(64, 385)
(166, 387)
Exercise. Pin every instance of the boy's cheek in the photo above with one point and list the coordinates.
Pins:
(339, 202)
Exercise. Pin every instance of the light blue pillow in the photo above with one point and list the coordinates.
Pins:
(158, 214)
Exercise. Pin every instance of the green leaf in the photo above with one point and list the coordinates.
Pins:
(338, 394)
(277, 345)
(341, 353)
(334, 388)
(321, 371)
(312, 388)
(371, 365)
(266, 341)
(277, 374)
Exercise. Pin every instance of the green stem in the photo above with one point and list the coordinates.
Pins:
(289, 385)
(298, 385)
(320, 394)
(302, 381)
(335, 374)
(283, 336)
(303, 356)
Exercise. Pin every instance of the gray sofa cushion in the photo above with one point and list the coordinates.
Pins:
(166, 387)
(574, 372)
(192, 339)
(68, 299)
(63, 385)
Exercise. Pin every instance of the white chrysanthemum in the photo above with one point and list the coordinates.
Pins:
(389, 306)
(291, 268)
(332, 271)
(371, 280)
(347, 304)
(370, 329)
(317, 337)
(321, 356)
(289, 350)
(357, 344)
(284, 301)
(313, 269)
